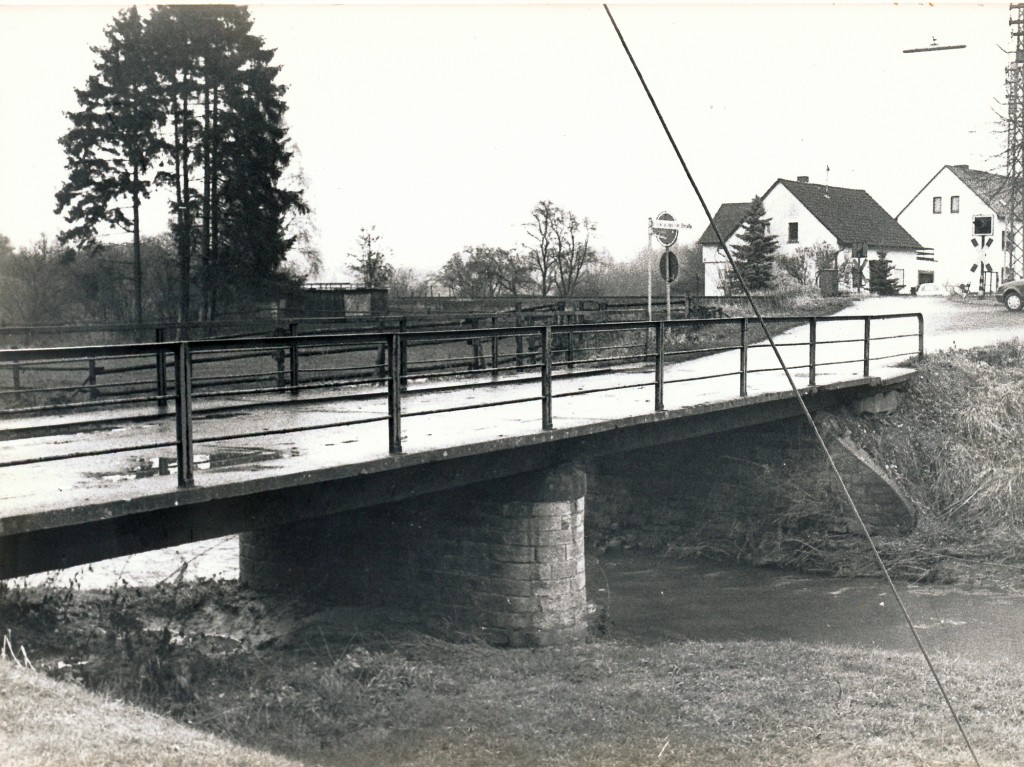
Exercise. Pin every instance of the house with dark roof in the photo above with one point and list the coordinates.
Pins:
(803, 214)
(942, 215)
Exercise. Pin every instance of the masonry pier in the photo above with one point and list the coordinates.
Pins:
(502, 560)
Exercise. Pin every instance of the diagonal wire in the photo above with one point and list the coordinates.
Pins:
(796, 391)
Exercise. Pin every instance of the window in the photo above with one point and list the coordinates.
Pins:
(794, 231)
(936, 204)
(954, 204)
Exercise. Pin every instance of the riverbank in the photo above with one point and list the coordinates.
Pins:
(360, 688)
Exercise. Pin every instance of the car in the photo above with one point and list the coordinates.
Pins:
(931, 289)
(1011, 295)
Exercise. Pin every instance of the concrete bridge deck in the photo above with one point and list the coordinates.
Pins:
(451, 437)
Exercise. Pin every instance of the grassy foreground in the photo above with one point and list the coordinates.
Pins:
(421, 701)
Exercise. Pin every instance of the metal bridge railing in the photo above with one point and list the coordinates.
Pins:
(224, 376)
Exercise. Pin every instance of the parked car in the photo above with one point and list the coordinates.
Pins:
(1011, 294)
(931, 289)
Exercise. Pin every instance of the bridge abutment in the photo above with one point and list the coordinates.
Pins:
(503, 560)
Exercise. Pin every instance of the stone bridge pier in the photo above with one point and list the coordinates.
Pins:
(501, 560)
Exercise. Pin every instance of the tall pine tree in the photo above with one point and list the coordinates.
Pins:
(190, 91)
(229, 150)
(112, 143)
(756, 254)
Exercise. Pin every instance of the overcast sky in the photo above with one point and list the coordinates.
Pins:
(442, 126)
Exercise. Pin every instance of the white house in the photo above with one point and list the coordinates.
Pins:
(942, 216)
(803, 214)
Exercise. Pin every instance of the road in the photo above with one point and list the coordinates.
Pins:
(950, 323)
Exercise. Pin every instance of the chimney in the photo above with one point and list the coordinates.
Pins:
(803, 179)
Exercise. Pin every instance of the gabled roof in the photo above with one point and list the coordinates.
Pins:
(728, 219)
(851, 215)
(993, 189)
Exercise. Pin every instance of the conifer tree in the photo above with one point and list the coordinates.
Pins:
(756, 253)
(112, 143)
(189, 92)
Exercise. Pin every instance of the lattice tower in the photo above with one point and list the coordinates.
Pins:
(1015, 147)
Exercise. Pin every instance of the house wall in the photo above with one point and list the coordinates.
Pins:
(783, 209)
(949, 234)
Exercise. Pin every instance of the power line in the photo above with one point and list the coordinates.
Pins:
(796, 391)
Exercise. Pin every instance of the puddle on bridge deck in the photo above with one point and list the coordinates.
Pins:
(212, 459)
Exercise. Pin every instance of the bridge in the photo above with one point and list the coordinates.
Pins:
(440, 467)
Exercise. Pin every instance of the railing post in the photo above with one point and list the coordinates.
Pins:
(293, 358)
(545, 378)
(394, 394)
(495, 355)
(161, 371)
(278, 356)
(183, 413)
(381, 354)
(519, 338)
(812, 352)
(477, 346)
(93, 391)
(743, 356)
(920, 336)
(867, 346)
(570, 319)
(403, 346)
(659, 366)
(16, 375)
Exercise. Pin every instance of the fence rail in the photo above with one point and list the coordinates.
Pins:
(228, 375)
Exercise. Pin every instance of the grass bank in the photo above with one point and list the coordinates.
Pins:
(319, 694)
(954, 446)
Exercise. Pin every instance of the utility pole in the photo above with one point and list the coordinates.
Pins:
(1014, 256)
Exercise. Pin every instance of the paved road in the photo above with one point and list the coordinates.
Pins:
(950, 323)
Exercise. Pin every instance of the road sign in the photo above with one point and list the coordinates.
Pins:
(666, 228)
(669, 266)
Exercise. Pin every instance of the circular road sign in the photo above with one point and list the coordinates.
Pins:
(668, 237)
(669, 266)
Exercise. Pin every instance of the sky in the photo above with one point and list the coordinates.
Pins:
(442, 126)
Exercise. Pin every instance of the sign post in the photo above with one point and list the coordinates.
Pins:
(666, 228)
(669, 268)
(650, 256)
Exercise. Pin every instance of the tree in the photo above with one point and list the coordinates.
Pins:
(227, 146)
(882, 281)
(35, 284)
(560, 253)
(545, 217)
(574, 254)
(484, 271)
(193, 93)
(112, 143)
(756, 253)
(370, 264)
